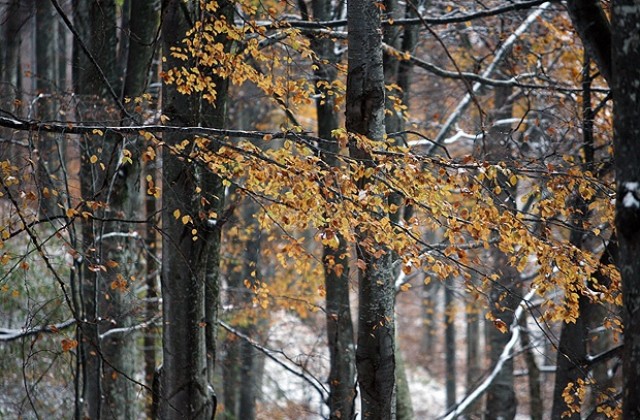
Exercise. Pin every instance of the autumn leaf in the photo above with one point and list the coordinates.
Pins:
(68, 344)
(500, 325)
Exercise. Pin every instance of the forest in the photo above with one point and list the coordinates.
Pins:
(320, 209)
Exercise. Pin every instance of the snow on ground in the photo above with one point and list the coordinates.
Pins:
(300, 343)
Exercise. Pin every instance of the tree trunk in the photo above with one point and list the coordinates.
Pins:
(450, 345)
(47, 81)
(375, 354)
(501, 397)
(404, 406)
(535, 397)
(473, 356)
(185, 390)
(626, 132)
(340, 335)
(143, 22)
(572, 349)
(109, 361)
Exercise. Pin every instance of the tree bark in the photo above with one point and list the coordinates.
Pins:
(501, 397)
(47, 80)
(142, 29)
(375, 354)
(450, 346)
(535, 397)
(340, 335)
(626, 132)
(185, 391)
(572, 349)
(592, 25)
(109, 361)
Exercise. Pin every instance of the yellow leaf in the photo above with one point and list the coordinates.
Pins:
(176, 213)
(500, 325)
(185, 219)
(93, 159)
(98, 132)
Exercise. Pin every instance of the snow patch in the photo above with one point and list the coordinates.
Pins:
(630, 199)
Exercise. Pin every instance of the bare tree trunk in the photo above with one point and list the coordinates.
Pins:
(137, 54)
(571, 363)
(185, 390)
(429, 310)
(473, 355)
(535, 397)
(501, 397)
(109, 360)
(340, 335)
(47, 81)
(450, 345)
(375, 354)
(626, 132)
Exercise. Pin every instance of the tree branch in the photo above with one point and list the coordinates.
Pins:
(317, 385)
(593, 27)
(11, 334)
(504, 356)
(500, 55)
(460, 18)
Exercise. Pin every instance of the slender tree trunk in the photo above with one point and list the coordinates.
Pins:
(535, 397)
(450, 345)
(137, 52)
(340, 333)
(375, 354)
(473, 355)
(501, 397)
(109, 361)
(429, 309)
(47, 81)
(571, 363)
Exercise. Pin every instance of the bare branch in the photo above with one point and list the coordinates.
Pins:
(11, 334)
(460, 18)
(132, 328)
(500, 55)
(315, 383)
(504, 356)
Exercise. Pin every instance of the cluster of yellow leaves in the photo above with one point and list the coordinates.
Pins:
(574, 395)
(298, 192)
(215, 48)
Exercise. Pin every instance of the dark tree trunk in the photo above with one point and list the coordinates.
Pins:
(185, 391)
(47, 81)
(143, 21)
(626, 128)
(375, 354)
(535, 397)
(592, 25)
(501, 397)
(572, 349)
(109, 358)
(450, 346)
(340, 335)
